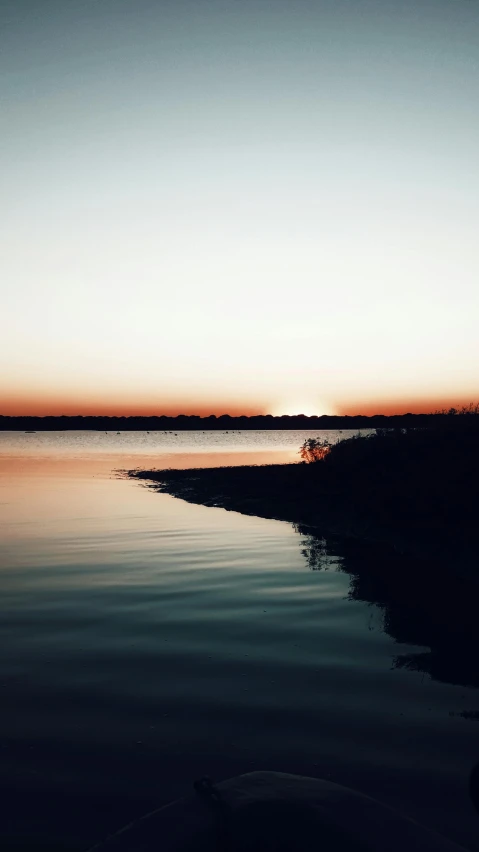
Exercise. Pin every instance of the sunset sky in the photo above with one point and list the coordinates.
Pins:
(240, 206)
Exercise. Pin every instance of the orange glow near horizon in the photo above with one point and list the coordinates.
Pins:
(390, 407)
(57, 407)
(195, 227)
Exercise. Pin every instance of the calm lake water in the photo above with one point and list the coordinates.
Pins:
(146, 642)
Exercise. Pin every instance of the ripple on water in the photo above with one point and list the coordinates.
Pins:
(145, 641)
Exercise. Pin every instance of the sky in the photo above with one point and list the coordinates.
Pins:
(238, 206)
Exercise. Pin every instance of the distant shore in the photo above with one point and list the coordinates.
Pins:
(222, 423)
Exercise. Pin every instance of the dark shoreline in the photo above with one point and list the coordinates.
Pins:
(292, 493)
(421, 570)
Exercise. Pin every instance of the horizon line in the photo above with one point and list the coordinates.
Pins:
(451, 410)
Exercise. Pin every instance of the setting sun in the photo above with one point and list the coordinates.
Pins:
(296, 406)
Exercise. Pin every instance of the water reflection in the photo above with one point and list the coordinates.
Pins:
(429, 605)
(317, 553)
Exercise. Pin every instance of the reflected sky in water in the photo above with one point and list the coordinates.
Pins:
(146, 642)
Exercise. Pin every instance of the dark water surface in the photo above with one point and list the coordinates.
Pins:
(146, 642)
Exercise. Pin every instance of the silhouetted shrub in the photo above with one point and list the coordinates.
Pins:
(314, 449)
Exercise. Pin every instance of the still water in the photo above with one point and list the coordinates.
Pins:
(146, 642)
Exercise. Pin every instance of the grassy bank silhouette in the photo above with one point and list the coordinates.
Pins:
(416, 490)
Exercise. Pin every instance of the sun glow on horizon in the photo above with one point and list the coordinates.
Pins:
(233, 208)
(310, 409)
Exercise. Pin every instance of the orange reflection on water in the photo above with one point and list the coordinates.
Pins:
(58, 494)
(54, 505)
(109, 463)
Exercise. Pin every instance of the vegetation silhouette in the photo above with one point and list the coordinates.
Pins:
(224, 422)
(314, 449)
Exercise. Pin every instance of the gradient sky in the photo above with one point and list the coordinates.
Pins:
(239, 205)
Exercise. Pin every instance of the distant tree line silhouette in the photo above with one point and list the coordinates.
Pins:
(185, 422)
